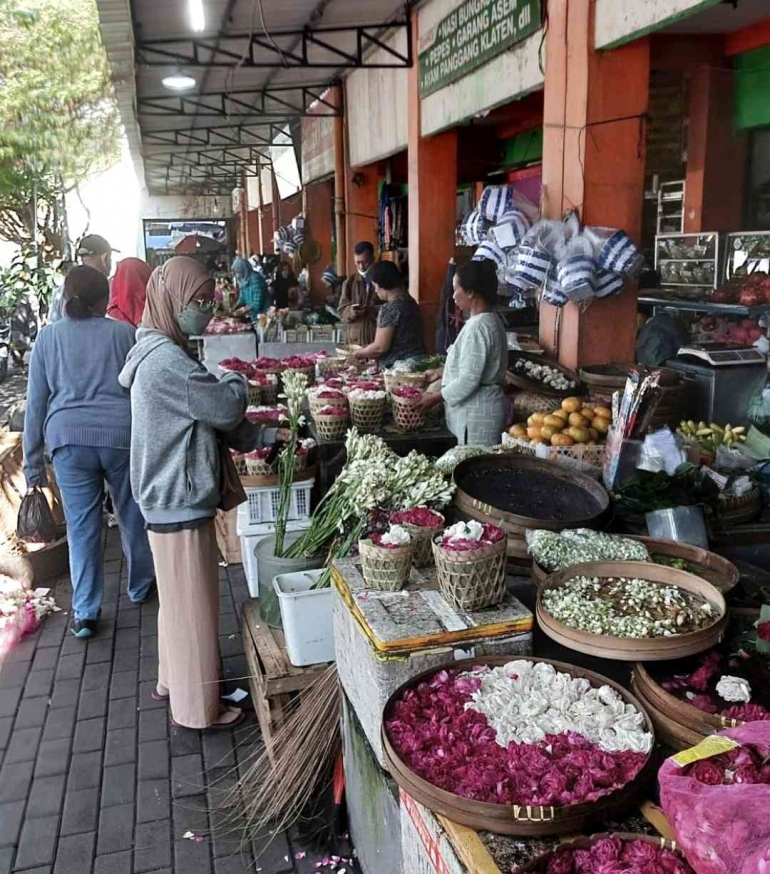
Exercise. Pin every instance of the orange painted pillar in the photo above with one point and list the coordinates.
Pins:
(716, 154)
(593, 160)
(360, 209)
(320, 205)
(432, 176)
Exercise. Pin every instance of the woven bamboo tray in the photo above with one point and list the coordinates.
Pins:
(517, 526)
(524, 403)
(532, 385)
(526, 820)
(583, 843)
(721, 573)
(634, 649)
(669, 731)
(683, 712)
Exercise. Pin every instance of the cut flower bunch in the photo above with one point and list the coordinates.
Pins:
(374, 478)
(467, 536)
(522, 733)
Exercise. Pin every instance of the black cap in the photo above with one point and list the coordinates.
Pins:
(93, 244)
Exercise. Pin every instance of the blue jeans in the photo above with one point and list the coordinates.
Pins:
(81, 472)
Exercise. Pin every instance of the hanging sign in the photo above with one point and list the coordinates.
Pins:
(476, 32)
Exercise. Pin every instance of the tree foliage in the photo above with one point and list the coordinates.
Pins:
(58, 117)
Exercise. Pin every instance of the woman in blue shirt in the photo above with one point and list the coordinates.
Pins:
(253, 297)
(78, 411)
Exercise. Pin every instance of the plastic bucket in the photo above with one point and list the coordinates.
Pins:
(307, 618)
(269, 567)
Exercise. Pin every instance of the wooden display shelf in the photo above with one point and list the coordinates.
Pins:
(276, 685)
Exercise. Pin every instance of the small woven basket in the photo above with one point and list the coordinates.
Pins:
(258, 467)
(239, 460)
(422, 542)
(315, 403)
(385, 569)
(269, 393)
(406, 414)
(330, 366)
(331, 427)
(308, 371)
(255, 395)
(367, 413)
(474, 579)
(396, 380)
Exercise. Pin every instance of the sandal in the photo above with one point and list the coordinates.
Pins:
(218, 726)
(156, 696)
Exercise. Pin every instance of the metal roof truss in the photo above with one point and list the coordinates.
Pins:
(287, 102)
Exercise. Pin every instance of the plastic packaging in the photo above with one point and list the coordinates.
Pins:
(577, 269)
(662, 450)
(491, 252)
(683, 524)
(35, 523)
(474, 228)
(497, 200)
(615, 250)
(608, 283)
(554, 294)
(723, 828)
(510, 230)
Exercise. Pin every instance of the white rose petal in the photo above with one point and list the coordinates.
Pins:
(734, 689)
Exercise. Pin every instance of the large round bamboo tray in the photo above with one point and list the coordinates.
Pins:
(682, 711)
(721, 573)
(669, 731)
(632, 649)
(526, 820)
(514, 525)
(581, 843)
(533, 385)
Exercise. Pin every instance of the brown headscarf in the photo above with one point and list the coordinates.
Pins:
(171, 288)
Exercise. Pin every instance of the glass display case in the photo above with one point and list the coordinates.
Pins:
(688, 264)
(746, 253)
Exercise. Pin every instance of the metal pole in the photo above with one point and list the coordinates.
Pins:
(339, 185)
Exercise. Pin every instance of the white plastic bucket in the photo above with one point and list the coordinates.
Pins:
(306, 614)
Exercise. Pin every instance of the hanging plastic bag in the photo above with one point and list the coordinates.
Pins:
(615, 250)
(509, 232)
(577, 270)
(490, 251)
(554, 294)
(35, 523)
(474, 228)
(608, 283)
(716, 806)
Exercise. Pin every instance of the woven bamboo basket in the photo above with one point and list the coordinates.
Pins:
(258, 467)
(330, 366)
(269, 393)
(315, 403)
(474, 579)
(386, 570)
(331, 427)
(406, 413)
(672, 733)
(308, 371)
(239, 460)
(367, 414)
(256, 396)
(516, 819)
(634, 649)
(582, 843)
(524, 403)
(396, 380)
(422, 542)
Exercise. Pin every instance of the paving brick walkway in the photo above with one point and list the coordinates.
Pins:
(94, 778)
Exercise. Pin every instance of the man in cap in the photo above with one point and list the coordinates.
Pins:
(93, 251)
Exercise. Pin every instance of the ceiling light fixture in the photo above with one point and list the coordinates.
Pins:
(178, 81)
(197, 15)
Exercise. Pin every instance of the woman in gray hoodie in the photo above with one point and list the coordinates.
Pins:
(179, 412)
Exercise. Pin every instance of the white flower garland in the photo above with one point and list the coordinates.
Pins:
(524, 701)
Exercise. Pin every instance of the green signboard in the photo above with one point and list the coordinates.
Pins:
(473, 34)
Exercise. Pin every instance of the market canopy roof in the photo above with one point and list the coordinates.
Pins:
(258, 66)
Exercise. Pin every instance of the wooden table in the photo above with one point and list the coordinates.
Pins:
(331, 453)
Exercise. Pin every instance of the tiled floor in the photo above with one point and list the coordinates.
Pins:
(94, 778)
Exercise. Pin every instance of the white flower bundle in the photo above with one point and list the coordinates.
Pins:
(557, 550)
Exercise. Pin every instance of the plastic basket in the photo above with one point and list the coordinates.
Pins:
(306, 616)
(384, 569)
(262, 505)
(472, 580)
(367, 414)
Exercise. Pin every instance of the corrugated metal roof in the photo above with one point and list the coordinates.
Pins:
(170, 134)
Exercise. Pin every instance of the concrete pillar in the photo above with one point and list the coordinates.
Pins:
(319, 197)
(432, 175)
(360, 209)
(593, 160)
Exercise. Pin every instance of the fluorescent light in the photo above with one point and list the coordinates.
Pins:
(178, 82)
(197, 15)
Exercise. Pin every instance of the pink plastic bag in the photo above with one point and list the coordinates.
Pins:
(723, 829)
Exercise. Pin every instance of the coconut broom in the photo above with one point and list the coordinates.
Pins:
(275, 789)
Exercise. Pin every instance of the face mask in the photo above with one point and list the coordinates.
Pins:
(194, 319)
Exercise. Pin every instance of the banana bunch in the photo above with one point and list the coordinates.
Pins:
(710, 436)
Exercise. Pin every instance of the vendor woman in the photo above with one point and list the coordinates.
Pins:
(399, 322)
(253, 297)
(474, 375)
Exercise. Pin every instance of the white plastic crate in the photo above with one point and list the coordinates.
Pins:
(248, 550)
(262, 505)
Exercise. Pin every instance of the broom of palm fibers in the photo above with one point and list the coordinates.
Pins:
(271, 795)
